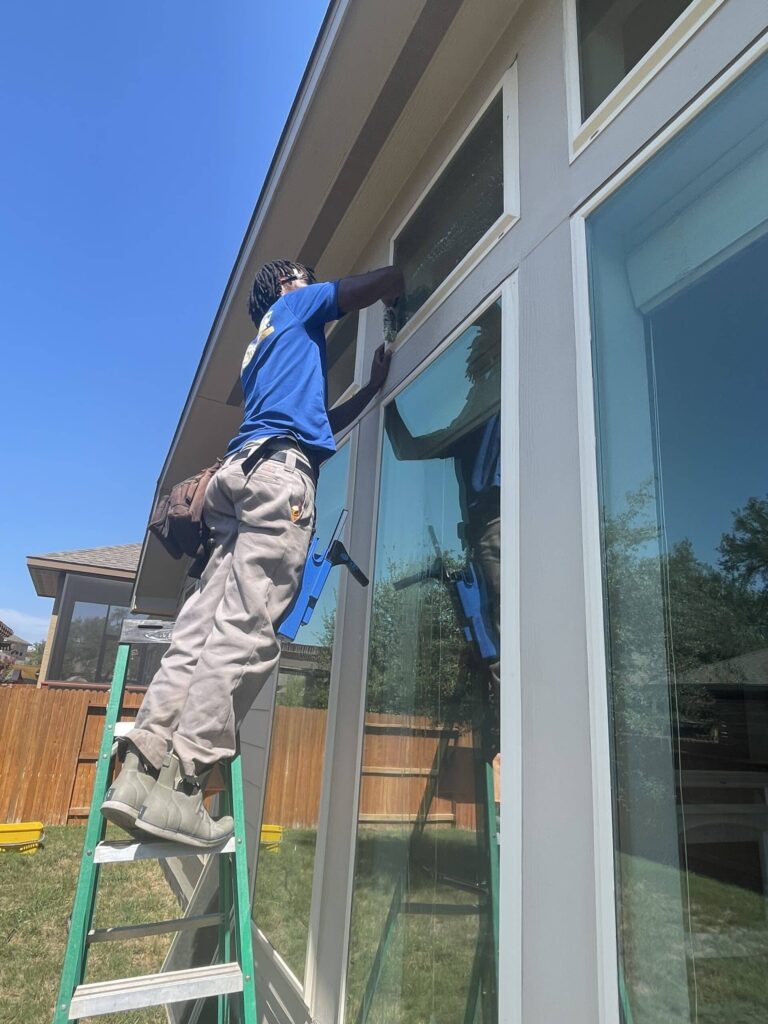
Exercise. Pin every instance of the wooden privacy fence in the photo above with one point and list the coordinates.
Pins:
(50, 743)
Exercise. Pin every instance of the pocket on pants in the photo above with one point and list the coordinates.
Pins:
(273, 491)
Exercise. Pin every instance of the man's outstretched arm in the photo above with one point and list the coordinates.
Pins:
(363, 290)
(343, 415)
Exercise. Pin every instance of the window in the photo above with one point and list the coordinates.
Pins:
(88, 634)
(422, 941)
(91, 645)
(475, 193)
(613, 36)
(294, 774)
(342, 354)
(678, 257)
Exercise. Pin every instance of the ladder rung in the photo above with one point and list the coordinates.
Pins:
(139, 931)
(153, 849)
(124, 728)
(154, 990)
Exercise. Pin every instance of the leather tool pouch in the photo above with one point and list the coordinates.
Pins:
(177, 519)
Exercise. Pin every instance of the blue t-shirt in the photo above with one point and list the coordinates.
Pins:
(284, 372)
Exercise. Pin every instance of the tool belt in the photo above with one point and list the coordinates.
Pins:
(177, 519)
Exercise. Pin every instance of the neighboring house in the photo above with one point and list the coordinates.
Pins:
(91, 591)
(575, 190)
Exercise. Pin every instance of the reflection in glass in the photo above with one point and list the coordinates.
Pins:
(613, 36)
(681, 364)
(91, 644)
(423, 944)
(292, 801)
(342, 351)
(464, 202)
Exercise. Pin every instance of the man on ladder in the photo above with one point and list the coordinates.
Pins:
(259, 508)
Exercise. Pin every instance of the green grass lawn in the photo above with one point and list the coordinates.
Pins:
(36, 894)
(726, 979)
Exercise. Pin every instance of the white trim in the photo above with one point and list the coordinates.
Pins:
(597, 672)
(507, 86)
(511, 860)
(582, 132)
(704, 99)
(318, 890)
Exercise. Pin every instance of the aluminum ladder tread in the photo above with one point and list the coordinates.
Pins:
(155, 990)
(123, 850)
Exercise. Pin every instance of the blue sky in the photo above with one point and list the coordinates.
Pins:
(137, 137)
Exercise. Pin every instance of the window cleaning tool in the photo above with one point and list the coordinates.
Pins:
(232, 976)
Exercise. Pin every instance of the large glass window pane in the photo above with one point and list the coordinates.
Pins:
(294, 774)
(422, 944)
(464, 202)
(91, 643)
(678, 264)
(613, 36)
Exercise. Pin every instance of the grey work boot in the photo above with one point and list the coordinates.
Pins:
(128, 792)
(174, 810)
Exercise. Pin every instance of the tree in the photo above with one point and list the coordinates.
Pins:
(744, 551)
(35, 653)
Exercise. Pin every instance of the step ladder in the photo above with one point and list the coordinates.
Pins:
(233, 977)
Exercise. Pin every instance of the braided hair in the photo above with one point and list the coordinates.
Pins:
(266, 285)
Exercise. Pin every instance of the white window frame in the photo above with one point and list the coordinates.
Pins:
(602, 797)
(582, 132)
(510, 993)
(511, 200)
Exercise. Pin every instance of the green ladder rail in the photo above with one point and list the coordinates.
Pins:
(228, 980)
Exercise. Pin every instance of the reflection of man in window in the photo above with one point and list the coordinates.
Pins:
(473, 441)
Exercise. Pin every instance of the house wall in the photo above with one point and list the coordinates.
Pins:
(558, 938)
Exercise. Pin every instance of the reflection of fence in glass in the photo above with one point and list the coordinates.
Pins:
(398, 759)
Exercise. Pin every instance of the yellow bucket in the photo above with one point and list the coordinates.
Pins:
(271, 835)
(23, 837)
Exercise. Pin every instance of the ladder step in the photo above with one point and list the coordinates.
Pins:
(154, 990)
(139, 931)
(153, 849)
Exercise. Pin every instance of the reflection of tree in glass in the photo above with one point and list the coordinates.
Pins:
(432, 675)
(712, 615)
(439, 678)
(81, 657)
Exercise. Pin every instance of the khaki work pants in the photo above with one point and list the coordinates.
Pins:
(224, 646)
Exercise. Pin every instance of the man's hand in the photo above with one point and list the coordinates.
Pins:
(379, 369)
(343, 415)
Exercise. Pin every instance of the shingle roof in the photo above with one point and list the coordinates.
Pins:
(121, 556)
